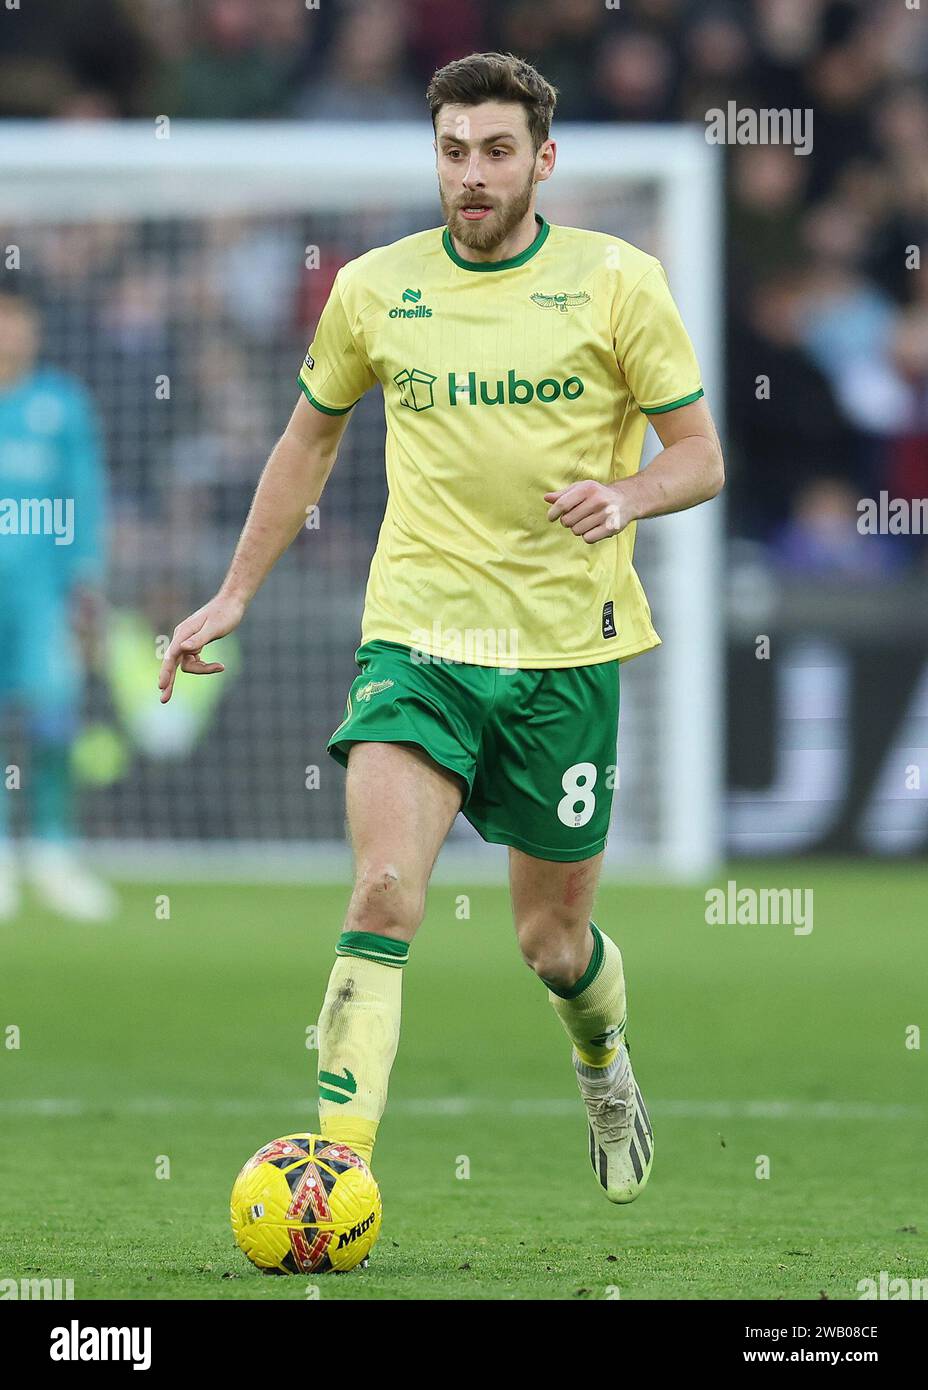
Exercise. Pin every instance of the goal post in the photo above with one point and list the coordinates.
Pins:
(181, 252)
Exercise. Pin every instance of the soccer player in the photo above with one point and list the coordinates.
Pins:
(52, 488)
(521, 364)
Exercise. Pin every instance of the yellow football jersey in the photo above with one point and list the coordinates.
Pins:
(503, 381)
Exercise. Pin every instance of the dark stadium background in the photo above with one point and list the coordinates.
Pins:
(819, 298)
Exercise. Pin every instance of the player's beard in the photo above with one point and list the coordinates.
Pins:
(490, 231)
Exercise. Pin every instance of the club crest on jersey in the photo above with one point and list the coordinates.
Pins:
(561, 301)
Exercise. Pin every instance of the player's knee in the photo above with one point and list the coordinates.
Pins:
(554, 949)
(384, 899)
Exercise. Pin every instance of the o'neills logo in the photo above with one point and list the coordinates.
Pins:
(465, 389)
(421, 311)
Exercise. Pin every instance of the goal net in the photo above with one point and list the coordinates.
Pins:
(180, 269)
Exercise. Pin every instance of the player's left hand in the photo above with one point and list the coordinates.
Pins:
(591, 510)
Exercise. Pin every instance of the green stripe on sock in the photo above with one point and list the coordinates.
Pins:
(589, 974)
(335, 1097)
(369, 946)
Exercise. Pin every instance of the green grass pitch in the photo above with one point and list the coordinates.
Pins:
(185, 1039)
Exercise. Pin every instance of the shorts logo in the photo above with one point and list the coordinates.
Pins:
(416, 388)
(309, 361)
(561, 301)
(372, 688)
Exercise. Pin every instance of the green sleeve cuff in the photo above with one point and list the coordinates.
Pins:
(674, 405)
(326, 409)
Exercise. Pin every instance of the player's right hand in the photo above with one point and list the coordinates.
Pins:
(215, 619)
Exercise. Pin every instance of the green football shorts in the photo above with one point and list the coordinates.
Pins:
(536, 750)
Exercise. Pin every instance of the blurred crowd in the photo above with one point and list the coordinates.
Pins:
(827, 312)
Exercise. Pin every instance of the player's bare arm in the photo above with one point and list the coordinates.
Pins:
(689, 470)
(293, 479)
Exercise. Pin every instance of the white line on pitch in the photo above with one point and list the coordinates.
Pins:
(63, 1108)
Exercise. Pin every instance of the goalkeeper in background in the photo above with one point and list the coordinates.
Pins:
(521, 363)
(51, 572)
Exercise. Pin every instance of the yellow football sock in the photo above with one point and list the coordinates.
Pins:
(593, 1010)
(359, 1031)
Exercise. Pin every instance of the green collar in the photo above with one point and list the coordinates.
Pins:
(523, 256)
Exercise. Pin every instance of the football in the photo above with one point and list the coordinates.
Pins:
(305, 1205)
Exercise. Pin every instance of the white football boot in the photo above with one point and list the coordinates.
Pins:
(621, 1141)
(64, 885)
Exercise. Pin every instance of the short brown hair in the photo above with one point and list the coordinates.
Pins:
(495, 77)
